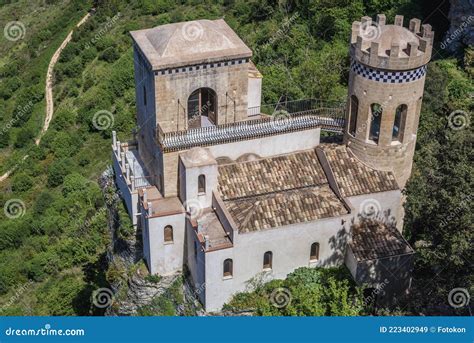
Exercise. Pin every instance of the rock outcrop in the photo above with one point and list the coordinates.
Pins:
(461, 30)
(131, 284)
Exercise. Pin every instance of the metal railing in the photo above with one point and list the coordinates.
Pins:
(274, 119)
(296, 107)
(142, 182)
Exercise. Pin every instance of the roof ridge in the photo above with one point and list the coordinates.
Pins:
(268, 157)
(168, 40)
(261, 195)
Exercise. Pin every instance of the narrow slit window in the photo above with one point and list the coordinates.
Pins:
(267, 260)
(399, 121)
(353, 119)
(144, 95)
(228, 267)
(168, 233)
(314, 253)
(202, 184)
(376, 121)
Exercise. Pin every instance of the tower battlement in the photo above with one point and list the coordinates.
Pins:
(391, 46)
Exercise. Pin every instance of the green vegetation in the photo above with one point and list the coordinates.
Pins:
(305, 292)
(301, 49)
(167, 303)
(439, 217)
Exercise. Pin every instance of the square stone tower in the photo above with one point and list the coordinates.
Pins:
(189, 75)
(387, 77)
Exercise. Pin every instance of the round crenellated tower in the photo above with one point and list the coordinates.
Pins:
(387, 76)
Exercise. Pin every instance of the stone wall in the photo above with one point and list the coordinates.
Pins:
(386, 155)
(173, 90)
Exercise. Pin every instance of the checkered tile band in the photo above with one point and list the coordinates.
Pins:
(388, 76)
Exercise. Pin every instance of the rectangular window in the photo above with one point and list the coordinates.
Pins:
(144, 95)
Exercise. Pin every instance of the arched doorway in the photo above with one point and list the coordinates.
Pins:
(202, 108)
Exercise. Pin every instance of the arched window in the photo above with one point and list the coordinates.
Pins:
(168, 233)
(202, 108)
(314, 252)
(354, 110)
(267, 260)
(375, 121)
(399, 123)
(228, 267)
(202, 184)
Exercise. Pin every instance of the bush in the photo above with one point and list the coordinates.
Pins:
(65, 144)
(24, 137)
(22, 183)
(4, 138)
(109, 55)
(43, 202)
(74, 182)
(57, 171)
(306, 292)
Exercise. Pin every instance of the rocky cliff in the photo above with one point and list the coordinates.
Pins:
(461, 30)
(134, 290)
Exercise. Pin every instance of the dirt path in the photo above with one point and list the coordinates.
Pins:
(49, 91)
(49, 80)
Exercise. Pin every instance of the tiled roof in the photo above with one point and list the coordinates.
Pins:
(268, 175)
(285, 208)
(352, 176)
(374, 240)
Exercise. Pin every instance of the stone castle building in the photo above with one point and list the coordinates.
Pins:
(233, 190)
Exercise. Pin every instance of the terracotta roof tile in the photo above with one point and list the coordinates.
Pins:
(285, 208)
(374, 240)
(354, 177)
(270, 175)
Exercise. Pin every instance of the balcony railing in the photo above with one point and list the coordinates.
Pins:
(130, 165)
(272, 119)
